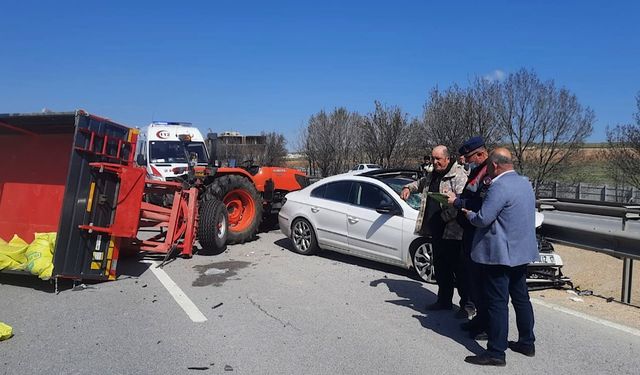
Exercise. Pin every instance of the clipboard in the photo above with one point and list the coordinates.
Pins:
(439, 197)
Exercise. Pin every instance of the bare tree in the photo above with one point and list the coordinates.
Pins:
(386, 135)
(624, 150)
(543, 125)
(328, 140)
(452, 116)
(275, 149)
(443, 118)
(345, 138)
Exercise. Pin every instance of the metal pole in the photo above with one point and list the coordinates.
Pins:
(627, 275)
(578, 191)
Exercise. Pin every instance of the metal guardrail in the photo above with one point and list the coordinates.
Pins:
(622, 243)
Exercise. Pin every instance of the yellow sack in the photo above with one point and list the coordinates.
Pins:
(40, 255)
(5, 331)
(12, 254)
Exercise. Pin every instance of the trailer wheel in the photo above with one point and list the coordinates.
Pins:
(213, 226)
(243, 203)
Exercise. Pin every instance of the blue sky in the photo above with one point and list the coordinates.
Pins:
(255, 66)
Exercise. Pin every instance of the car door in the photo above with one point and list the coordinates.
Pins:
(371, 234)
(328, 207)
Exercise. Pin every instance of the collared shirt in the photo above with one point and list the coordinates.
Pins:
(500, 175)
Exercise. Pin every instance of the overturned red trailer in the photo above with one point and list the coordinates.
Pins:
(73, 173)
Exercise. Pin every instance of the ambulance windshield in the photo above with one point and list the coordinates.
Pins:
(173, 151)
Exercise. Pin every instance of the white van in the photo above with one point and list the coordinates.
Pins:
(162, 152)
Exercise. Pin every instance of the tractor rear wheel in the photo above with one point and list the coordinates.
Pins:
(213, 226)
(243, 203)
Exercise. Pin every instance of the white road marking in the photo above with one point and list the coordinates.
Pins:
(590, 318)
(181, 298)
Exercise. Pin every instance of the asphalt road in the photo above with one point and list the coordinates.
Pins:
(271, 311)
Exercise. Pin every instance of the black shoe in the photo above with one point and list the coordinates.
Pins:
(485, 360)
(461, 314)
(479, 336)
(528, 350)
(438, 306)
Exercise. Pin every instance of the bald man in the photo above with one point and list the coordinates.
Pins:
(438, 221)
(504, 244)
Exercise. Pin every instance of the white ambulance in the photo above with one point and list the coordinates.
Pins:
(162, 152)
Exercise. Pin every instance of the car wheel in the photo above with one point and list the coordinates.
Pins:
(422, 257)
(303, 237)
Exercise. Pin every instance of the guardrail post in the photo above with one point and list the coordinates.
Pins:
(603, 197)
(627, 273)
(555, 189)
(578, 191)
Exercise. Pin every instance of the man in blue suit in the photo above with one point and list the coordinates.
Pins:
(504, 243)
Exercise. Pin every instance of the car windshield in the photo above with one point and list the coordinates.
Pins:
(173, 152)
(396, 183)
(373, 166)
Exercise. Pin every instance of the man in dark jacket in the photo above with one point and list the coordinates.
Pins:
(475, 154)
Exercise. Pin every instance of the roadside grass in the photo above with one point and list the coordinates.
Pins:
(591, 172)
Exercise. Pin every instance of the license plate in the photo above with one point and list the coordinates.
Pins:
(545, 259)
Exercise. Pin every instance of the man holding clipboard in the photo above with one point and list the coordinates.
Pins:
(437, 220)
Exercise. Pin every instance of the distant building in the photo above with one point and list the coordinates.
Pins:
(235, 138)
(295, 155)
(234, 148)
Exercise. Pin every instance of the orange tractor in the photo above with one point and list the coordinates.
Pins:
(233, 201)
(250, 195)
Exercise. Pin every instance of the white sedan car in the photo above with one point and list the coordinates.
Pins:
(361, 215)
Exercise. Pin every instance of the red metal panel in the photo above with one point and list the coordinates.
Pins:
(127, 216)
(33, 172)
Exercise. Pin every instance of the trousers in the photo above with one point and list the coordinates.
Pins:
(447, 265)
(471, 279)
(500, 282)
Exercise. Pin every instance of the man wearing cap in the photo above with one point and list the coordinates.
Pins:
(475, 154)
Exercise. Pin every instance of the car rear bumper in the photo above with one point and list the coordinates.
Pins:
(285, 224)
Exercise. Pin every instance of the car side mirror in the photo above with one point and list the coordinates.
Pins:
(387, 209)
(140, 159)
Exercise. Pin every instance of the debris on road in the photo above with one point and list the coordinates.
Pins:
(214, 271)
(585, 292)
(228, 368)
(6, 332)
(218, 305)
(82, 287)
(198, 368)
